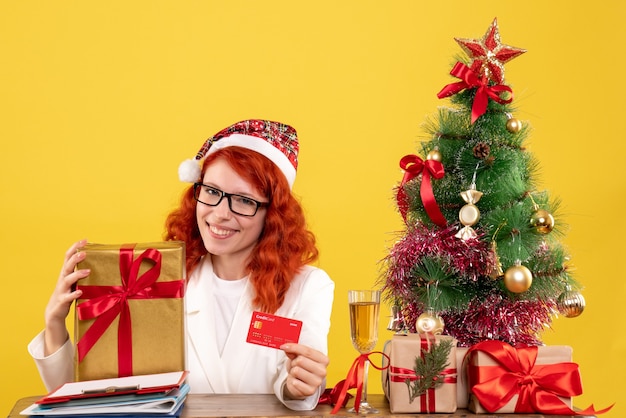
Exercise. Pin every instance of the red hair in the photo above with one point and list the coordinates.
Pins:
(285, 245)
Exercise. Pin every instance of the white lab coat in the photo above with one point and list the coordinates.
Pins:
(242, 367)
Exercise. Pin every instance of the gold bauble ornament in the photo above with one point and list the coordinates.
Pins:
(518, 278)
(542, 221)
(434, 155)
(513, 125)
(570, 303)
(429, 322)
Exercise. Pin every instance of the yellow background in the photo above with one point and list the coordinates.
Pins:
(100, 101)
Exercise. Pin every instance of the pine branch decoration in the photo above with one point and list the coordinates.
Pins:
(428, 369)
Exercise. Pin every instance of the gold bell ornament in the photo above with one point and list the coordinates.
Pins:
(396, 320)
(497, 271)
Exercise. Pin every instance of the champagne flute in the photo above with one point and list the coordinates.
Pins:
(364, 307)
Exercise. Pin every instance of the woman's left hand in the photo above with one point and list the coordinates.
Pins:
(306, 369)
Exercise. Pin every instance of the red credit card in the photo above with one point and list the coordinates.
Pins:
(273, 331)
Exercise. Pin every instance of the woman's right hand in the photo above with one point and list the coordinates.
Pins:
(55, 334)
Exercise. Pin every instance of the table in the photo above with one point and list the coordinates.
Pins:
(201, 406)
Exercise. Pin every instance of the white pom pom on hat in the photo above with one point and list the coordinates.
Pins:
(276, 141)
(189, 171)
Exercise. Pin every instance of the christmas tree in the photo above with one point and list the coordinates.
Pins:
(480, 257)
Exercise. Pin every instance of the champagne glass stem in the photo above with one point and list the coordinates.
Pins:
(364, 406)
(366, 366)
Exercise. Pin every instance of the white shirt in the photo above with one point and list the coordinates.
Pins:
(225, 300)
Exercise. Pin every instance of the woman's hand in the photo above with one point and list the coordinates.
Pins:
(55, 334)
(306, 369)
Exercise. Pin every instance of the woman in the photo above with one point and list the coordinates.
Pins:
(248, 250)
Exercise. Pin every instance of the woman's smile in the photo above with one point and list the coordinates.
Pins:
(221, 232)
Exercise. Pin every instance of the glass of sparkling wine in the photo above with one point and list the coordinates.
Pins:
(364, 307)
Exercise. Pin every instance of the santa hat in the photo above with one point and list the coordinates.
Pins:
(274, 140)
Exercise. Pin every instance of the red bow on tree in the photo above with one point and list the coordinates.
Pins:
(472, 79)
(414, 166)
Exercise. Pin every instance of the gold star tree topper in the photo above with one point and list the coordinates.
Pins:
(490, 53)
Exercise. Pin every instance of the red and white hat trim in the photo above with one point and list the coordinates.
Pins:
(276, 141)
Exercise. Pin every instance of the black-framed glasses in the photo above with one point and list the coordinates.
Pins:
(241, 205)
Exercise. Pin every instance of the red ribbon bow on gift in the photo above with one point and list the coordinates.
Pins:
(538, 386)
(414, 166)
(470, 79)
(355, 379)
(105, 303)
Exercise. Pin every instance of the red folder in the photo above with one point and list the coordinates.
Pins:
(137, 385)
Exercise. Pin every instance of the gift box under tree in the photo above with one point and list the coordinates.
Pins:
(534, 379)
(130, 318)
(462, 392)
(421, 376)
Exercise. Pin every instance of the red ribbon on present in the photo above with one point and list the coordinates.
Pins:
(470, 79)
(355, 379)
(538, 386)
(414, 166)
(105, 303)
(427, 400)
(400, 374)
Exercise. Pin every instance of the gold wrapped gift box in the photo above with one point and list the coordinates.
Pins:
(150, 298)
